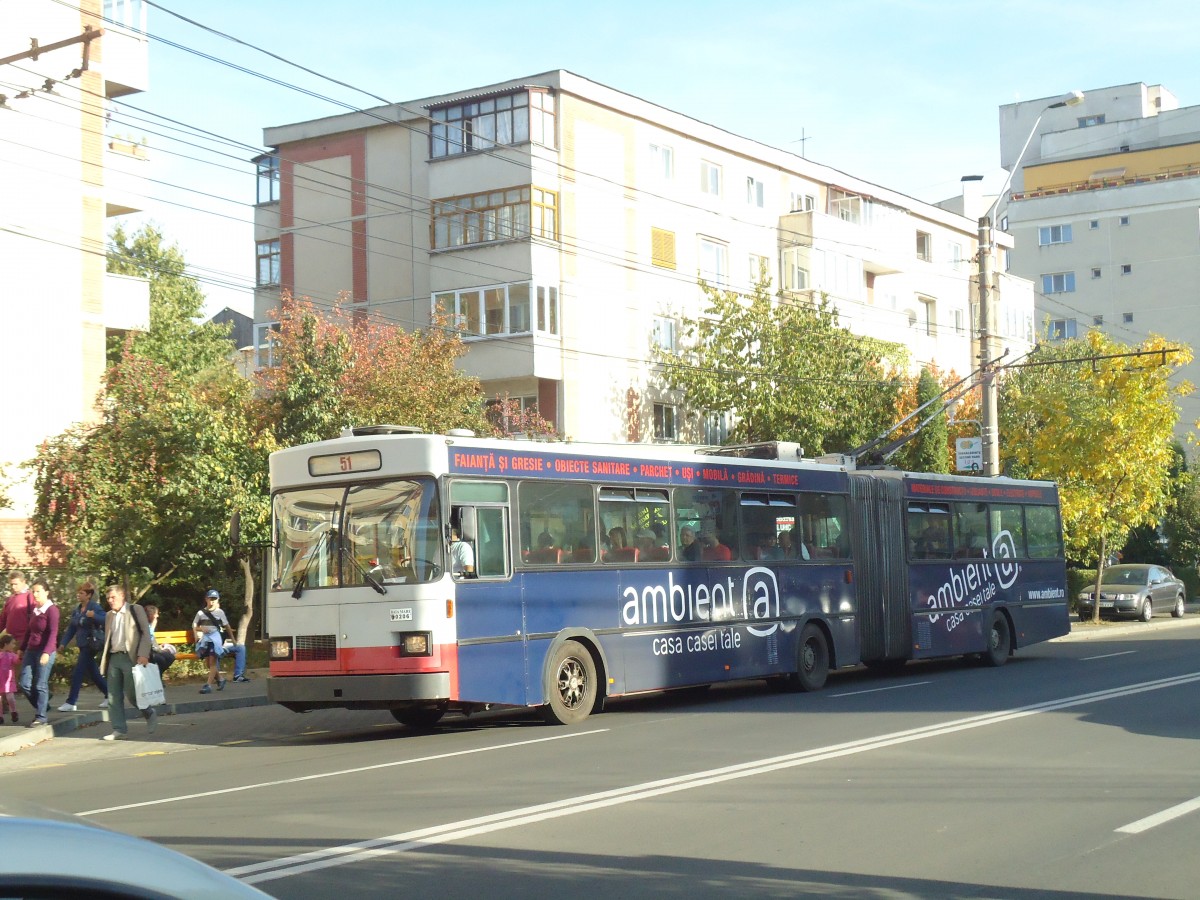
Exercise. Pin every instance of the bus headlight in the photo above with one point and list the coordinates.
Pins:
(281, 648)
(415, 644)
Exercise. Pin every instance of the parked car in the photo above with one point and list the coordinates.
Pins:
(44, 853)
(1136, 590)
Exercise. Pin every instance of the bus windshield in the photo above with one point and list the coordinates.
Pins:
(334, 536)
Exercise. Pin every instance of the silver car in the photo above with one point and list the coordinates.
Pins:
(1136, 590)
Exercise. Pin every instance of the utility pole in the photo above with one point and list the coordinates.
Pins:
(990, 427)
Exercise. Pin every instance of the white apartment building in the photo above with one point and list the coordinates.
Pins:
(61, 177)
(1105, 214)
(563, 224)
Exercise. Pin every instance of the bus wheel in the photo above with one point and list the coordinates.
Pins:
(571, 691)
(999, 641)
(419, 716)
(813, 664)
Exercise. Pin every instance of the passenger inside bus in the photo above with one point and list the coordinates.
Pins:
(689, 547)
(712, 550)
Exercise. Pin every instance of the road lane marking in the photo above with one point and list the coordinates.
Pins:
(893, 687)
(1160, 818)
(1107, 655)
(346, 854)
(302, 778)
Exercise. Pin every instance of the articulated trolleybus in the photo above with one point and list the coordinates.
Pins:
(423, 573)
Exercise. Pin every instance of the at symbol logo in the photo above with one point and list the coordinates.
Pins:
(1004, 551)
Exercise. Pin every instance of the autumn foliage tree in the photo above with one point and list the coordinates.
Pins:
(787, 369)
(1098, 420)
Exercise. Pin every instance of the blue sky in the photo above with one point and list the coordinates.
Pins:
(902, 93)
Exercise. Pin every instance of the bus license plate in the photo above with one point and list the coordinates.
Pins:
(402, 615)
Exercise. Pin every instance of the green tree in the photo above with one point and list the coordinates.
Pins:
(786, 369)
(1100, 424)
(929, 449)
(176, 338)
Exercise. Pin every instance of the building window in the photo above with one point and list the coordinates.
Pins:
(662, 162)
(959, 325)
(494, 216)
(664, 422)
(1126, 268)
(662, 248)
(714, 262)
(1097, 321)
(1058, 283)
(1062, 329)
(1127, 318)
(1094, 224)
(924, 246)
(710, 178)
(716, 429)
(847, 207)
(264, 344)
(760, 269)
(268, 179)
(1123, 220)
(483, 124)
(929, 313)
(1089, 121)
(499, 309)
(1054, 234)
(954, 254)
(268, 263)
(754, 192)
(796, 269)
(801, 202)
(663, 336)
(1096, 272)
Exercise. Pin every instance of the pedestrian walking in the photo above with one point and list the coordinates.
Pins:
(214, 639)
(86, 627)
(126, 641)
(10, 663)
(39, 648)
(14, 617)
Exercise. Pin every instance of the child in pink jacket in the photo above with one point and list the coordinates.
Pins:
(8, 677)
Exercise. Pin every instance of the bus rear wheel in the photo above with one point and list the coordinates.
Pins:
(571, 685)
(813, 663)
(999, 642)
(419, 716)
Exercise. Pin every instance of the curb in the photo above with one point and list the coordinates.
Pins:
(29, 737)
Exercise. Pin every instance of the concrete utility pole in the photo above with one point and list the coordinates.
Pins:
(989, 427)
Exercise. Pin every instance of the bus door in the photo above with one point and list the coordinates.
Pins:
(877, 533)
(488, 609)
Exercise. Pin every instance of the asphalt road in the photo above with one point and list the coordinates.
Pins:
(1067, 773)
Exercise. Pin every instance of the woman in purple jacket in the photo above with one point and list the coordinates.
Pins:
(39, 646)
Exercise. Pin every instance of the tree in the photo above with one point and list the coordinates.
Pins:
(929, 449)
(338, 367)
(786, 368)
(1098, 421)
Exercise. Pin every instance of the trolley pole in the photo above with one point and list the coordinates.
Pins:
(989, 428)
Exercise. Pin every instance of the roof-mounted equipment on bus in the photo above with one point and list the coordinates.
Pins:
(460, 432)
(374, 430)
(782, 450)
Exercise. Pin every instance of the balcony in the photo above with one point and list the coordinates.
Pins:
(884, 239)
(125, 48)
(509, 356)
(126, 303)
(124, 177)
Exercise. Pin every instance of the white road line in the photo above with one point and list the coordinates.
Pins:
(1160, 818)
(1107, 655)
(893, 687)
(346, 854)
(297, 780)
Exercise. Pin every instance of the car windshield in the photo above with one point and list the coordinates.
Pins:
(331, 536)
(1126, 575)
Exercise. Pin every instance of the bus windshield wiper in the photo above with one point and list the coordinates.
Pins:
(321, 541)
(345, 553)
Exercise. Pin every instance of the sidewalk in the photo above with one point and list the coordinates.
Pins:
(182, 698)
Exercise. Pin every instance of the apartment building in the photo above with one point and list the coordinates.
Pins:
(1105, 214)
(563, 225)
(61, 178)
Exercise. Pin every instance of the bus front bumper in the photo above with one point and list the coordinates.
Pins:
(300, 693)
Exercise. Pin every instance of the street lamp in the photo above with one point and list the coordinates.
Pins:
(987, 375)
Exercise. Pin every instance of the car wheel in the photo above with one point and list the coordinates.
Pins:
(1177, 612)
(1147, 610)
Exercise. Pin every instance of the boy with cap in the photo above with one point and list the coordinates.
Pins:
(211, 627)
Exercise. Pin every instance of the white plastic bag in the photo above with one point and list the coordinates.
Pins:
(147, 684)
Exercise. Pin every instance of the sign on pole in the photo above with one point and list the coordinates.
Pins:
(968, 454)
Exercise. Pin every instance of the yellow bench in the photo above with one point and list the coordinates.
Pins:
(178, 640)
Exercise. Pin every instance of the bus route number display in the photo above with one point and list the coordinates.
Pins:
(341, 463)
